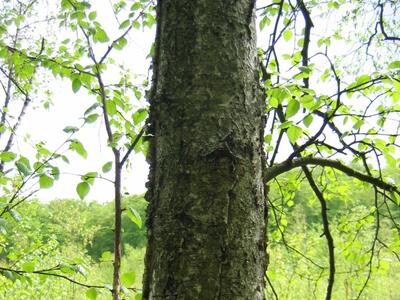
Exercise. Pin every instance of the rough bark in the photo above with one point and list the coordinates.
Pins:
(206, 215)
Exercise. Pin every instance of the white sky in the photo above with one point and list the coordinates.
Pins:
(68, 109)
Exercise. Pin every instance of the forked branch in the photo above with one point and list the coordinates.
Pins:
(286, 166)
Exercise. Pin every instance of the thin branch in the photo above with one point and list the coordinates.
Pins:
(110, 47)
(133, 145)
(381, 26)
(46, 272)
(272, 287)
(327, 232)
(307, 32)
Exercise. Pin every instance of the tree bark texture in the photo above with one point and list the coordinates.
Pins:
(206, 215)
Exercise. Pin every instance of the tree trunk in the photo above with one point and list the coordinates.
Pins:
(206, 215)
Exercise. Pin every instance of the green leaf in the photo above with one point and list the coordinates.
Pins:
(125, 24)
(139, 116)
(264, 21)
(273, 102)
(7, 156)
(89, 177)
(45, 181)
(395, 197)
(55, 172)
(292, 108)
(83, 189)
(394, 65)
(300, 42)
(107, 167)
(70, 129)
(106, 256)
(333, 4)
(392, 139)
(136, 6)
(16, 216)
(294, 133)
(91, 108)
(91, 118)
(136, 24)
(92, 15)
(28, 267)
(67, 268)
(138, 296)
(128, 278)
(78, 148)
(91, 294)
(150, 20)
(362, 79)
(287, 35)
(111, 108)
(9, 275)
(268, 138)
(22, 167)
(101, 36)
(308, 120)
(307, 101)
(135, 217)
(76, 85)
(121, 43)
(19, 19)
(391, 161)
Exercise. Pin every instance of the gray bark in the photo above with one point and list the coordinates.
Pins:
(207, 211)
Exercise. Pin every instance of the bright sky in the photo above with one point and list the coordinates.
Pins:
(68, 110)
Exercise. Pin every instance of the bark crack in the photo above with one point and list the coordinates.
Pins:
(225, 245)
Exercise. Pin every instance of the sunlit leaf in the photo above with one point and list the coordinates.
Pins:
(76, 85)
(138, 296)
(91, 293)
(294, 133)
(91, 118)
(7, 156)
(78, 148)
(92, 15)
(45, 181)
(287, 35)
(83, 189)
(106, 256)
(292, 108)
(308, 120)
(124, 24)
(89, 177)
(28, 267)
(135, 217)
(107, 167)
(128, 278)
(70, 129)
(394, 65)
